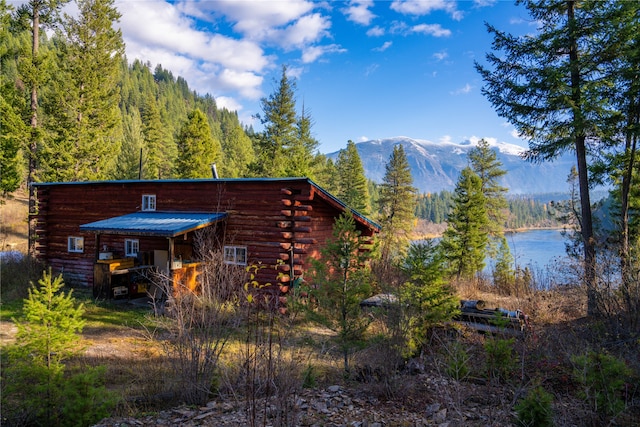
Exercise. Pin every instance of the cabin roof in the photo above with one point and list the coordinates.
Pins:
(324, 193)
(160, 224)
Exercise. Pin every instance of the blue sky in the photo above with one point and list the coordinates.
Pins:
(364, 69)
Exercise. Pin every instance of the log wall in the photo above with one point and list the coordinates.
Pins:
(283, 223)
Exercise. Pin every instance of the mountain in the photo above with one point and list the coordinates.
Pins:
(435, 166)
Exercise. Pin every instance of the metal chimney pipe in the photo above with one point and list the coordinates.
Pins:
(214, 171)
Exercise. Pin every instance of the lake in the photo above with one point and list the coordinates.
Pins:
(536, 248)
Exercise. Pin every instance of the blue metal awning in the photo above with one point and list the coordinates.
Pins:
(161, 224)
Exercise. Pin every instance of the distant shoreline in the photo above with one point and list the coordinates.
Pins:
(507, 231)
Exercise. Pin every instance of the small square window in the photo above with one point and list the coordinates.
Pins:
(131, 247)
(75, 244)
(148, 202)
(235, 255)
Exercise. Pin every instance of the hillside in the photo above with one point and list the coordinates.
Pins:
(435, 166)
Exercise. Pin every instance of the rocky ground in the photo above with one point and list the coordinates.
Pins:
(339, 406)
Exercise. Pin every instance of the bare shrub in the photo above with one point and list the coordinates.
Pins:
(272, 369)
(200, 323)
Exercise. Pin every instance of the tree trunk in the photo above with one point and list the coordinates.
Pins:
(33, 143)
(583, 174)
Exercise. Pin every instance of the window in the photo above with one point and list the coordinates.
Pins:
(75, 244)
(131, 247)
(148, 202)
(235, 255)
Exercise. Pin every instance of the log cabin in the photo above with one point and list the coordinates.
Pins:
(107, 234)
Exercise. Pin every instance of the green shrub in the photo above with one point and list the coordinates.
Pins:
(309, 377)
(602, 377)
(535, 409)
(36, 390)
(501, 359)
(456, 361)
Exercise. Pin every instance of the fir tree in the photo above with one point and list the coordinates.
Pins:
(48, 335)
(84, 108)
(197, 150)
(549, 85)
(237, 149)
(352, 187)
(397, 206)
(342, 280)
(129, 162)
(13, 130)
(427, 297)
(302, 151)
(152, 132)
(485, 163)
(465, 239)
(280, 130)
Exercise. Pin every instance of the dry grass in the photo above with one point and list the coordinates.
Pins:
(14, 222)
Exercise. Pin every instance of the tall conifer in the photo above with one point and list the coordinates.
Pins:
(197, 150)
(465, 240)
(280, 129)
(85, 106)
(397, 206)
(351, 185)
(549, 85)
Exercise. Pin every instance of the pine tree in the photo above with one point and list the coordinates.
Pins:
(327, 175)
(237, 148)
(465, 240)
(343, 282)
(153, 135)
(484, 162)
(84, 108)
(197, 150)
(549, 85)
(351, 185)
(42, 393)
(13, 130)
(34, 73)
(280, 130)
(129, 160)
(397, 206)
(426, 295)
(302, 151)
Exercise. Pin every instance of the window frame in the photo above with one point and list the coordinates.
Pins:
(149, 203)
(133, 242)
(72, 244)
(236, 259)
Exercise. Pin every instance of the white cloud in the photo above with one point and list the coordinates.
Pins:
(359, 12)
(306, 30)
(515, 134)
(312, 53)
(422, 7)
(385, 46)
(484, 3)
(206, 60)
(229, 103)
(435, 30)
(254, 19)
(375, 32)
(446, 139)
(441, 56)
(371, 69)
(463, 90)
(364, 138)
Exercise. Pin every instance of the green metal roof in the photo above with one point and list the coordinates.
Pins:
(153, 223)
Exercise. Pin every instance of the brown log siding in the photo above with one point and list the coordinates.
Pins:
(269, 217)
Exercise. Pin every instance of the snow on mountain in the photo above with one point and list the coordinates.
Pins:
(435, 166)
